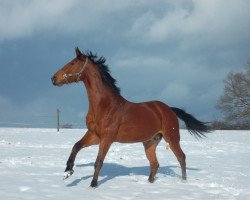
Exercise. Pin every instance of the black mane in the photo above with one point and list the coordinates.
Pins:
(104, 71)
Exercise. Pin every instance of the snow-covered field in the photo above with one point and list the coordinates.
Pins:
(32, 162)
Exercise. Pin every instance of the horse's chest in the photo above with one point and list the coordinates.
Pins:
(102, 124)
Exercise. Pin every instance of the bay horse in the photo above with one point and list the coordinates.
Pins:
(112, 118)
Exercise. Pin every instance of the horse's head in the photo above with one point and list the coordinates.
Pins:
(71, 72)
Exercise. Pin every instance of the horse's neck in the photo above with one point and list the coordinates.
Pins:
(99, 94)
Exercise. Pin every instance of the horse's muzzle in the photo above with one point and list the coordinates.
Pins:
(53, 79)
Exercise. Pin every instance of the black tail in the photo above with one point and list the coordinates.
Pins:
(194, 126)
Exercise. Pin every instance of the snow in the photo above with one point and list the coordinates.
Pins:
(32, 163)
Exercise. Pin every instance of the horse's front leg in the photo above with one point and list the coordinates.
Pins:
(103, 150)
(88, 139)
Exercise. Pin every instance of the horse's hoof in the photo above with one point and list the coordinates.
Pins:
(93, 184)
(151, 180)
(67, 174)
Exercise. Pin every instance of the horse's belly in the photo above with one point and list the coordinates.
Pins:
(139, 127)
(135, 136)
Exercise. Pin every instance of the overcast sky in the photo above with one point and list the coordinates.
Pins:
(177, 52)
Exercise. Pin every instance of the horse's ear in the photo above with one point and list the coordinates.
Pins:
(78, 53)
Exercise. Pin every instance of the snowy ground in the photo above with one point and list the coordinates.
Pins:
(32, 162)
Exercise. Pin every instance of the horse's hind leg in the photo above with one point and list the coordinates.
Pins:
(150, 147)
(181, 157)
(174, 143)
(87, 140)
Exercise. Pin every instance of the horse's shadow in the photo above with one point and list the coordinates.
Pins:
(112, 170)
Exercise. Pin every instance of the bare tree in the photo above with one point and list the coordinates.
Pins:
(235, 101)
